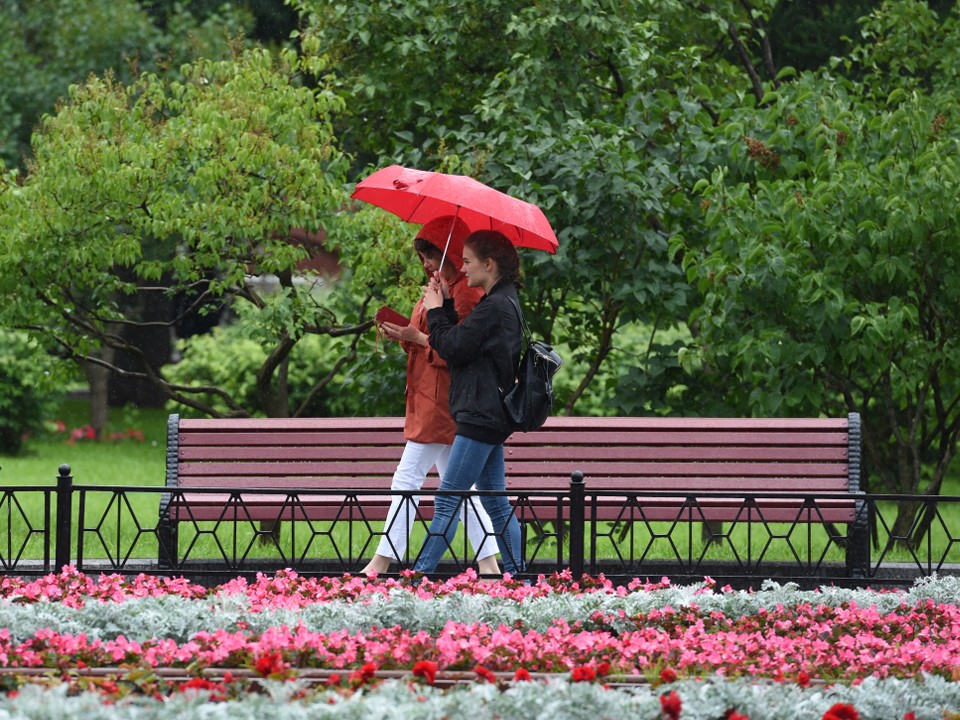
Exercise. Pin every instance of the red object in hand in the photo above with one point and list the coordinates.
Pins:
(386, 314)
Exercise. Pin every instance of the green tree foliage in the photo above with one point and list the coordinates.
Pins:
(49, 44)
(191, 188)
(830, 271)
(664, 135)
(597, 112)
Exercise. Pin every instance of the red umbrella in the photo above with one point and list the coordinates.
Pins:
(418, 196)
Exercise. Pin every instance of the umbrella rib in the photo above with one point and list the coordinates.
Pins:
(422, 199)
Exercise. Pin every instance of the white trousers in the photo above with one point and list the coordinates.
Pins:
(415, 463)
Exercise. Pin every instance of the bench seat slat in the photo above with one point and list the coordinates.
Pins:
(257, 508)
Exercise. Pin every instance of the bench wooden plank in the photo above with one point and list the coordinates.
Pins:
(348, 469)
(280, 508)
(728, 453)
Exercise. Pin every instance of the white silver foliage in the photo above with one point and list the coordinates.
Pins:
(707, 699)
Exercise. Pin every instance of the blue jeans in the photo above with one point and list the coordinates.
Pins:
(472, 463)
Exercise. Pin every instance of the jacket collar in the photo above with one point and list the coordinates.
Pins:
(500, 286)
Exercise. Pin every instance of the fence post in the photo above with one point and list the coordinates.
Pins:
(64, 516)
(577, 514)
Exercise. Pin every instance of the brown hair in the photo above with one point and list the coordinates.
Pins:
(494, 245)
(427, 248)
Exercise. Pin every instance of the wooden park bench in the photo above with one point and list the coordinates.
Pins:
(797, 471)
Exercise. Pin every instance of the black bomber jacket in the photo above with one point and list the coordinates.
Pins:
(483, 353)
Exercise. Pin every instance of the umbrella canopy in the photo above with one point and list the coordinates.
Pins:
(419, 196)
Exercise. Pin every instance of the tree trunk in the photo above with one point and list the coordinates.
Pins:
(98, 378)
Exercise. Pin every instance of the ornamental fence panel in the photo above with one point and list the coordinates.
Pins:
(883, 541)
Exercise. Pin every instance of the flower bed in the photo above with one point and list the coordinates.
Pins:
(348, 647)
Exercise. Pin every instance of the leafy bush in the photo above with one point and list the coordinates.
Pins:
(25, 397)
(229, 357)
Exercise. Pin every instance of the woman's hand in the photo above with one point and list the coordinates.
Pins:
(433, 294)
(403, 333)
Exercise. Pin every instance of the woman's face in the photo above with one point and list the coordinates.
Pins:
(430, 264)
(479, 273)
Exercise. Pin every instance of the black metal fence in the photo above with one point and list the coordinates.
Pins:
(120, 529)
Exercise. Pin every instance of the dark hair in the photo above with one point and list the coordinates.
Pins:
(427, 248)
(494, 245)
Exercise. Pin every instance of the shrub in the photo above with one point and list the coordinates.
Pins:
(25, 396)
(228, 358)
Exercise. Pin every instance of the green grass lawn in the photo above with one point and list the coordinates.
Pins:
(117, 462)
(130, 462)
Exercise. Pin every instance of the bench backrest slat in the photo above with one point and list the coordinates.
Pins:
(637, 453)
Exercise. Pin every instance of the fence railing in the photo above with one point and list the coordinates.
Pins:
(786, 537)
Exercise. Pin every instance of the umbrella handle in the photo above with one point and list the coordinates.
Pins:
(449, 236)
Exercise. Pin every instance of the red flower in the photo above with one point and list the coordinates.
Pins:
(270, 664)
(425, 669)
(841, 711)
(670, 705)
(523, 675)
(583, 674)
(485, 674)
(668, 675)
(734, 715)
(910, 716)
(364, 674)
(603, 669)
(803, 680)
(216, 690)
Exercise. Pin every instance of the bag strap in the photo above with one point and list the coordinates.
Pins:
(523, 323)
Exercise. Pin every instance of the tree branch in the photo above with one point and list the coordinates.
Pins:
(766, 52)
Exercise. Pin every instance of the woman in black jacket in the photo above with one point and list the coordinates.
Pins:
(483, 353)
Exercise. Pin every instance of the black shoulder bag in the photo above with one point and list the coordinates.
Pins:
(529, 402)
